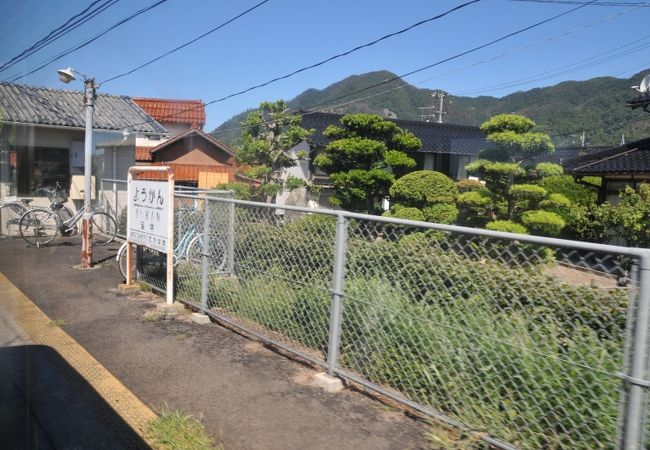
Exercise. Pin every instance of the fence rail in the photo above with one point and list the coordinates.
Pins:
(529, 342)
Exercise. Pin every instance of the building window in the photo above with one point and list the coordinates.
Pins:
(39, 166)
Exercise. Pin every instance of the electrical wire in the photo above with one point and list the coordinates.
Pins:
(574, 2)
(88, 41)
(158, 58)
(71, 24)
(327, 60)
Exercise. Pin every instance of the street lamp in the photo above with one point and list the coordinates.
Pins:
(66, 76)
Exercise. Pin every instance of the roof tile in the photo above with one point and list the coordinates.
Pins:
(45, 106)
(190, 112)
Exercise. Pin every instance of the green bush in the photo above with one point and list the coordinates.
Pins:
(407, 213)
(468, 185)
(530, 192)
(474, 199)
(441, 213)
(507, 226)
(577, 193)
(423, 187)
(548, 170)
(241, 191)
(546, 223)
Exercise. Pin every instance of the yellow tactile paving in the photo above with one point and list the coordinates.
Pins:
(131, 409)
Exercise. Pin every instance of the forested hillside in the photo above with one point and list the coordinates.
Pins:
(563, 110)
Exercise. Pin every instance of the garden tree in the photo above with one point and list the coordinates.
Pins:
(269, 133)
(424, 195)
(510, 196)
(629, 218)
(363, 152)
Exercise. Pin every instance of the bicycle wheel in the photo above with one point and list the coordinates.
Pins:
(38, 226)
(194, 251)
(121, 260)
(10, 214)
(104, 228)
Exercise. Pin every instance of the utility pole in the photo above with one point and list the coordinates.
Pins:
(582, 139)
(430, 112)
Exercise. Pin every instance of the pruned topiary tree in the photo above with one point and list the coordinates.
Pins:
(432, 193)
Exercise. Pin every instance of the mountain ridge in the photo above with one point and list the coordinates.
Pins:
(563, 110)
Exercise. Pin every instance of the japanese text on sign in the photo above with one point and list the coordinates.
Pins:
(148, 214)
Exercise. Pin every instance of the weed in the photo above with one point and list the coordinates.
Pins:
(56, 323)
(174, 430)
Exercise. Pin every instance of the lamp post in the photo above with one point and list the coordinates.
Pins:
(66, 76)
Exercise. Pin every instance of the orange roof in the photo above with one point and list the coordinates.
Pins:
(187, 172)
(143, 154)
(190, 112)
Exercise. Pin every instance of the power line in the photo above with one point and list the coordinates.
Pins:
(158, 58)
(89, 41)
(574, 2)
(494, 58)
(325, 61)
(456, 56)
(71, 24)
(579, 65)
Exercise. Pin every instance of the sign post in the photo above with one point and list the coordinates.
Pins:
(150, 216)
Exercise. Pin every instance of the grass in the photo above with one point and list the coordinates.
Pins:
(174, 430)
(155, 316)
(56, 323)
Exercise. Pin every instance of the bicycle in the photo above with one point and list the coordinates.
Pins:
(11, 211)
(40, 226)
(188, 248)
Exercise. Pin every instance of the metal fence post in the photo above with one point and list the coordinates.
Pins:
(115, 204)
(230, 245)
(205, 251)
(637, 384)
(337, 294)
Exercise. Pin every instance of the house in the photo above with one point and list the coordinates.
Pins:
(626, 165)
(196, 158)
(42, 138)
(176, 116)
(446, 148)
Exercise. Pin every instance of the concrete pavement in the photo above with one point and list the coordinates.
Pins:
(247, 396)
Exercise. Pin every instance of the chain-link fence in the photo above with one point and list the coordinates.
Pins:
(113, 200)
(527, 342)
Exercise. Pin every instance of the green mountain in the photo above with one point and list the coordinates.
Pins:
(564, 110)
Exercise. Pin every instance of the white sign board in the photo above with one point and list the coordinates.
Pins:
(148, 214)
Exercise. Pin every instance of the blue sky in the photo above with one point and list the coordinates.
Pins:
(284, 35)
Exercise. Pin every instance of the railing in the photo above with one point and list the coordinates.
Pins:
(523, 341)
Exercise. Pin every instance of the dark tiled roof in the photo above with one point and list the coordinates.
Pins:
(435, 137)
(44, 106)
(628, 159)
(642, 101)
(563, 154)
(191, 112)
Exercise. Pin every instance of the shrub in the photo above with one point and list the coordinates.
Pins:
(507, 226)
(242, 191)
(530, 192)
(546, 223)
(577, 193)
(407, 213)
(441, 213)
(548, 169)
(474, 199)
(468, 185)
(422, 188)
